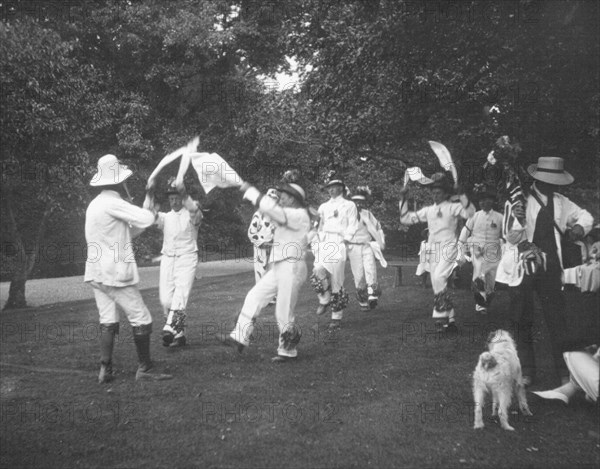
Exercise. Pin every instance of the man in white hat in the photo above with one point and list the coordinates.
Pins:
(286, 273)
(482, 234)
(548, 216)
(178, 262)
(364, 247)
(260, 234)
(110, 225)
(442, 248)
(338, 224)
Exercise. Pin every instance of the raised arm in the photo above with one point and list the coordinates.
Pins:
(408, 217)
(268, 206)
(136, 217)
(467, 209)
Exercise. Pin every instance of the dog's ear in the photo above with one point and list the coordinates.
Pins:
(492, 337)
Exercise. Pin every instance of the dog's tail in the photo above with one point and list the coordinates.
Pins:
(487, 361)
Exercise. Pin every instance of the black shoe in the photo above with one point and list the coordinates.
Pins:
(283, 359)
(167, 338)
(228, 341)
(106, 373)
(179, 342)
(373, 303)
(149, 374)
(451, 328)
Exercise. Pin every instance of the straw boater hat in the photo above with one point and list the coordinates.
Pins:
(362, 194)
(332, 179)
(110, 172)
(294, 190)
(550, 169)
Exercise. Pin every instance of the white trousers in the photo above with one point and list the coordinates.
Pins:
(362, 264)
(129, 300)
(282, 280)
(584, 371)
(330, 268)
(177, 274)
(485, 266)
(442, 262)
(260, 262)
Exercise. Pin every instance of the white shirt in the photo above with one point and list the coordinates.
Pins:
(483, 228)
(290, 238)
(566, 215)
(369, 229)
(442, 219)
(339, 220)
(180, 231)
(109, 222)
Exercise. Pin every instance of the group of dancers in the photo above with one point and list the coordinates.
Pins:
(284, 228)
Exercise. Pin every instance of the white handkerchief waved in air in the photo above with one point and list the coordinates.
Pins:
(213, 171)
(415, 174)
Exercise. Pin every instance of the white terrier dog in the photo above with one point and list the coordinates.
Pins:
(498, 373)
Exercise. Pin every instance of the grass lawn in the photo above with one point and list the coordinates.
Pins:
(386, 392)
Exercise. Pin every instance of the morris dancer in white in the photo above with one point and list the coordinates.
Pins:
(260, 234)
(110, 225)
(441, 218)
(179, 261)
(482, 233)
(364, 247)
(286, 273)
(338, 224)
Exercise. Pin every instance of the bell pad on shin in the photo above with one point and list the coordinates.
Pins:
(291, 337)
(443, 300)
(317, 284)
(339, 300)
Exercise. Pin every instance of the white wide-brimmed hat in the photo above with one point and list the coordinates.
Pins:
(550, 169)
(294, 190)
(110, 172)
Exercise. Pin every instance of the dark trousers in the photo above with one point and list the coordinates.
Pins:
(547, 285)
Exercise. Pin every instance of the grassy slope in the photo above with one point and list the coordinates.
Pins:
(384, 393)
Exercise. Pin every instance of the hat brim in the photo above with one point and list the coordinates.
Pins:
(358, 197)
(293, 192)
(335, 182)
(99, 179)
(562, 178)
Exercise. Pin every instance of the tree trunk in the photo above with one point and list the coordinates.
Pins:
(16, 292)
(26, 262)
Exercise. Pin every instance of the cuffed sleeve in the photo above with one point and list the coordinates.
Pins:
(578, 216)
(135, 216)
(253, 195)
